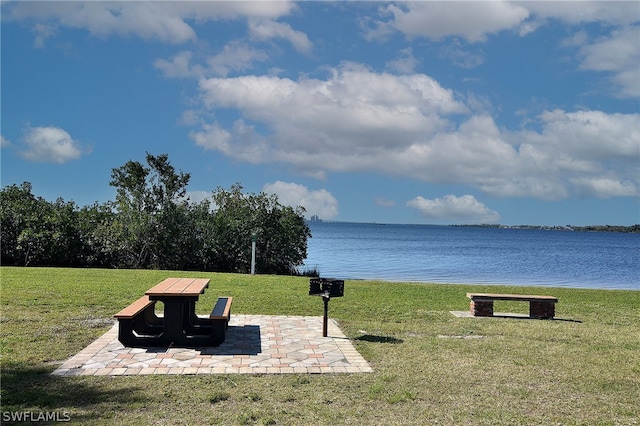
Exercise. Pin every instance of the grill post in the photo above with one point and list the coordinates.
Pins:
(326, 315)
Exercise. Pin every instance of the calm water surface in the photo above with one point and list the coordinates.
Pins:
(449, 254)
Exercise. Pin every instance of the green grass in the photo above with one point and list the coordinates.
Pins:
(584, 371)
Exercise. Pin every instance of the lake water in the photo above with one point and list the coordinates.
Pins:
(475, 255)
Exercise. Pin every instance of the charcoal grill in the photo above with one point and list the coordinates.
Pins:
(326, 288)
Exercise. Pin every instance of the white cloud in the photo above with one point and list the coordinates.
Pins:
(213, 137)
(242, 142)
(604, 187)
(179, 66)
(357, 120)
(583, 152)
(4, 142)
(236, 56)
(50, 145)
(591, 135)
(344, 123)
(618, 54)
(473, 21)
(476, 20)
(405, 63)
(164, 21)
(316, 202)
(261, 29)
(452, 209)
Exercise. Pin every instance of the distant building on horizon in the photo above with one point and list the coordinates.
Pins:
(315, 218)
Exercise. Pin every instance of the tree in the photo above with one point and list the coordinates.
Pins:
(98, 230)
(151, 224)
(36, 232)
(19, 213)
(151, 205)
(280, 230)
(199, 237)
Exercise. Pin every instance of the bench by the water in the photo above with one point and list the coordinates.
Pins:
(139, 326)
(541, 307)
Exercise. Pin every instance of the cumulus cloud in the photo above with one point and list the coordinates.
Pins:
(241, 142)
(179, 66)
(316, 202)
(405, 63)
(169, 22)
(50, 145)
(234, 57)
(262, 29)
(605, 187)
(473, 21)
(354, 111)
(410, 126)
(617, 54)
(452, 209)
(584, 152)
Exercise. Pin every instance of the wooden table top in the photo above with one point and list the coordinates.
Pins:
(179, 287)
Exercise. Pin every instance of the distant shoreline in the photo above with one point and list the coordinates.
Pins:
(588, 228)
(635, 229)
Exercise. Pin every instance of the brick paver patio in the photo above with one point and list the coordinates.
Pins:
(255, 344)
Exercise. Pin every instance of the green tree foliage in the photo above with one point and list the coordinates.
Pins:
(36, 232)
(151, 207)
(98, 228)
(281, 232)
(151, 224)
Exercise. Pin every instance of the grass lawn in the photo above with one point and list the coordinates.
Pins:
(584, 370)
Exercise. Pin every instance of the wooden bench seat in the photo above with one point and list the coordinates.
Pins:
(138, 322)
(541, 307)
(219, 317)
(222, 309)
(135, 308)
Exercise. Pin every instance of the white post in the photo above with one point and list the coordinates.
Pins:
(253, 254)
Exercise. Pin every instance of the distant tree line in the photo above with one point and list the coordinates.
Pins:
(152, 225)
(589, 228)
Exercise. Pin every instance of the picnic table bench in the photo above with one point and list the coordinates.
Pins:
(179, 326)
(541, 307)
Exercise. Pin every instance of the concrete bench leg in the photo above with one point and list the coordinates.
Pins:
(542, 310)
(482, 308)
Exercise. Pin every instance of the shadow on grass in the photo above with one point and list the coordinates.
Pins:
(33, 388)
(379, 339)
(527, 317)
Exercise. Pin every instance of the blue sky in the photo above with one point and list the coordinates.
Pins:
(392, 112)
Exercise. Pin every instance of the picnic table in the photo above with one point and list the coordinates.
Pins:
(179, 326)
